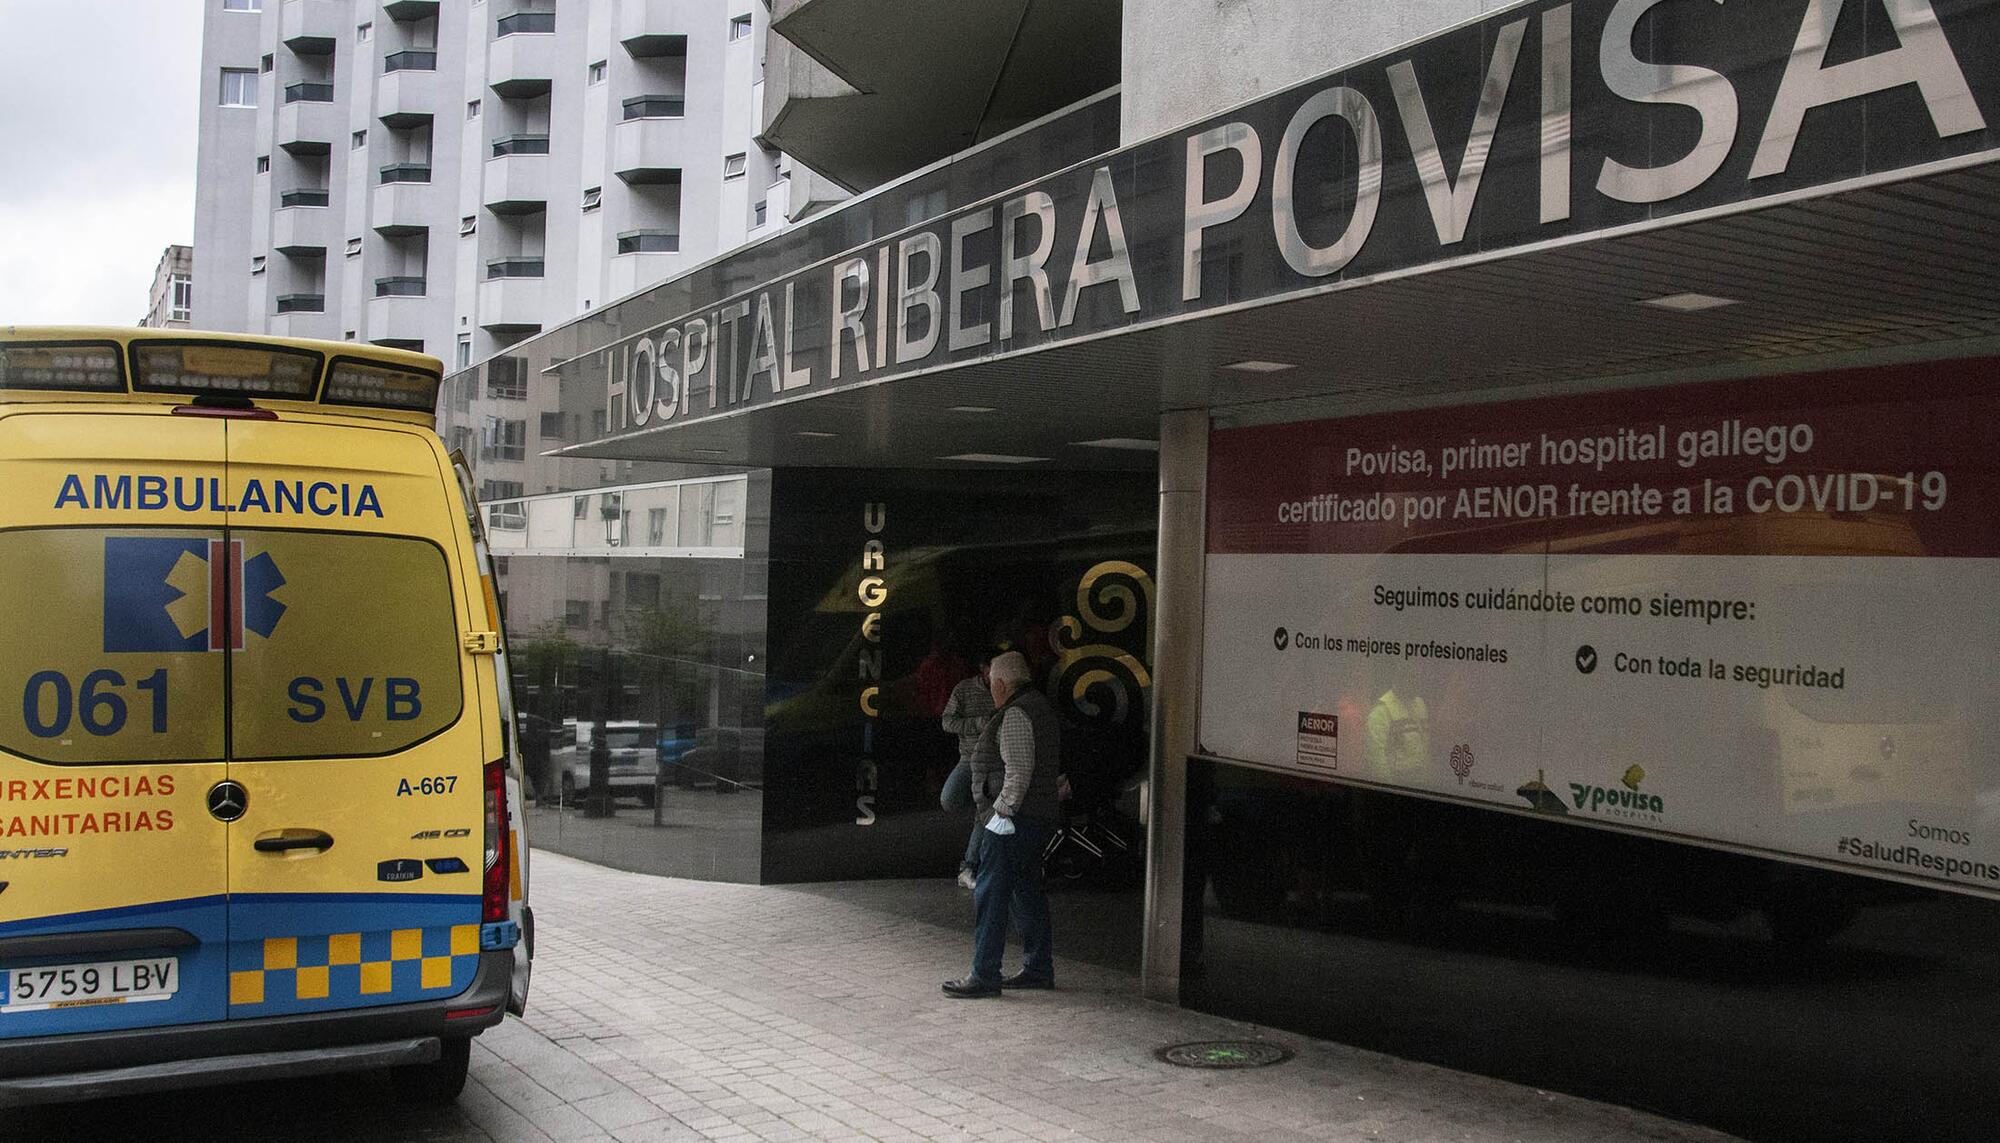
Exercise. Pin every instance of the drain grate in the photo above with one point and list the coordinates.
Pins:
(1224, 1054)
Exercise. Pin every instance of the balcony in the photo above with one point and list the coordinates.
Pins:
(519, 267)
(510, 305)
(406, 98)
(410, 9)
(520, 145)
(397, 210)
(406, 173)
(409, 61)
(310, 128)
(312, 27)
(398, 316)
(649, 29)
(301, 303)
(649, 152)
(517, 184)
(636, 271)
(303, 197)
(649, 242)
(655, 107)
(302, 323)
(522, 66)
(309, 93)
(401, 286)
(525, 23)
(299, 231)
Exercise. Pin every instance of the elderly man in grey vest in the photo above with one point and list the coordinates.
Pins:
(1026, 810)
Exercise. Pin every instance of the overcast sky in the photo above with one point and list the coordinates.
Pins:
(97, 141)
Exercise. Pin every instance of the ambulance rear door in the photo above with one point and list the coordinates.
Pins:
(355, 873)
(113, 795)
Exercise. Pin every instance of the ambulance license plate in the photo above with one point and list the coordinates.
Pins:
(77, 985)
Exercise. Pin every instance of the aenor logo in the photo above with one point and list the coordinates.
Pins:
(1310, 723)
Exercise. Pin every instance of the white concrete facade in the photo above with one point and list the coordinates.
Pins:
(454, 175)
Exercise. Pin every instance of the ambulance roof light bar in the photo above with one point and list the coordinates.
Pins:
(70, 366)
(242, 369)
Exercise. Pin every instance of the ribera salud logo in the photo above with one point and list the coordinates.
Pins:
(1628, 802)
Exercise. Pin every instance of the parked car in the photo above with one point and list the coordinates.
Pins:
(635, 760)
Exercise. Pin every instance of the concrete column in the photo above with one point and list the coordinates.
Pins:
(1177, 626)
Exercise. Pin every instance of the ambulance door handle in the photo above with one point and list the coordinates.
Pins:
(294, 839)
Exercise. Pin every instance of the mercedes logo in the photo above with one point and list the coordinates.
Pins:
(227, 801)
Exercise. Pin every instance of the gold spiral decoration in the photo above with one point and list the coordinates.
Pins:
(1112, 599)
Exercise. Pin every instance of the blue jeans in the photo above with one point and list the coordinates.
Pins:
(957, 795)
(1010, 888)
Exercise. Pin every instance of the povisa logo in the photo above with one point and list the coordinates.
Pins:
(1629, 802)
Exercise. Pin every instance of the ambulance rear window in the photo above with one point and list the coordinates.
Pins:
(113, 644)
(352, 646)
(108, 646)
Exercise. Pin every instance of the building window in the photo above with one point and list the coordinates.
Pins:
(263, 164)
(733, 166)
(576, 613)
(266, 64)
(593, 197)
(500, 490)
(472, 109)
(359, 140)
(468, 225)
(507, 380)
(239, 87)
(348, 336)
(597, 72)
(505, 440)
(739, 27)
(579, 507)
(761, 212)
(362, 32)
(243, 5)
(464, 350)
(553, 425)
(181, 290)
(353, 247)
(256, 263)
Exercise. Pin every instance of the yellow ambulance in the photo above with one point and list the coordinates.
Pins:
(259, 795)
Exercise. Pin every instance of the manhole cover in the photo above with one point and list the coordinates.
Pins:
(1224, 1054)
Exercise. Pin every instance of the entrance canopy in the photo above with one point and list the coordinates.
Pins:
(1558, 193)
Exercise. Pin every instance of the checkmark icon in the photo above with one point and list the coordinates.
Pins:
(1586, 658)
(1280, 638)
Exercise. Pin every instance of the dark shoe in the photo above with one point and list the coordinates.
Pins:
(1023, 980)
(969, 989)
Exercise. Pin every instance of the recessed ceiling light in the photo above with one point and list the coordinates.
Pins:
(1136, 444)
(1252, 365)
(973, 409)
(994, 458)
(708, 451)
(1689, 303)
(813, 433)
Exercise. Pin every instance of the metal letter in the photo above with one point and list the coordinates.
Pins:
(1708, 92)
(850, 319)
(914, 294)
(1351, 105)
(763, 347)
(1924, 58)
(793, 378)
(694, 355)
(615, 411)
(1083, 273)
(674, 397)
(1201, 213)
(1015, 267)
(1450, 197)
(1556, 69)
(964, 280)
(644, 387)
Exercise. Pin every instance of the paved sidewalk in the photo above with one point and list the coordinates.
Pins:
(667, 1010)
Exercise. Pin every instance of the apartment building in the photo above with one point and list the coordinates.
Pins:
(455, 175)
(170, 299)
